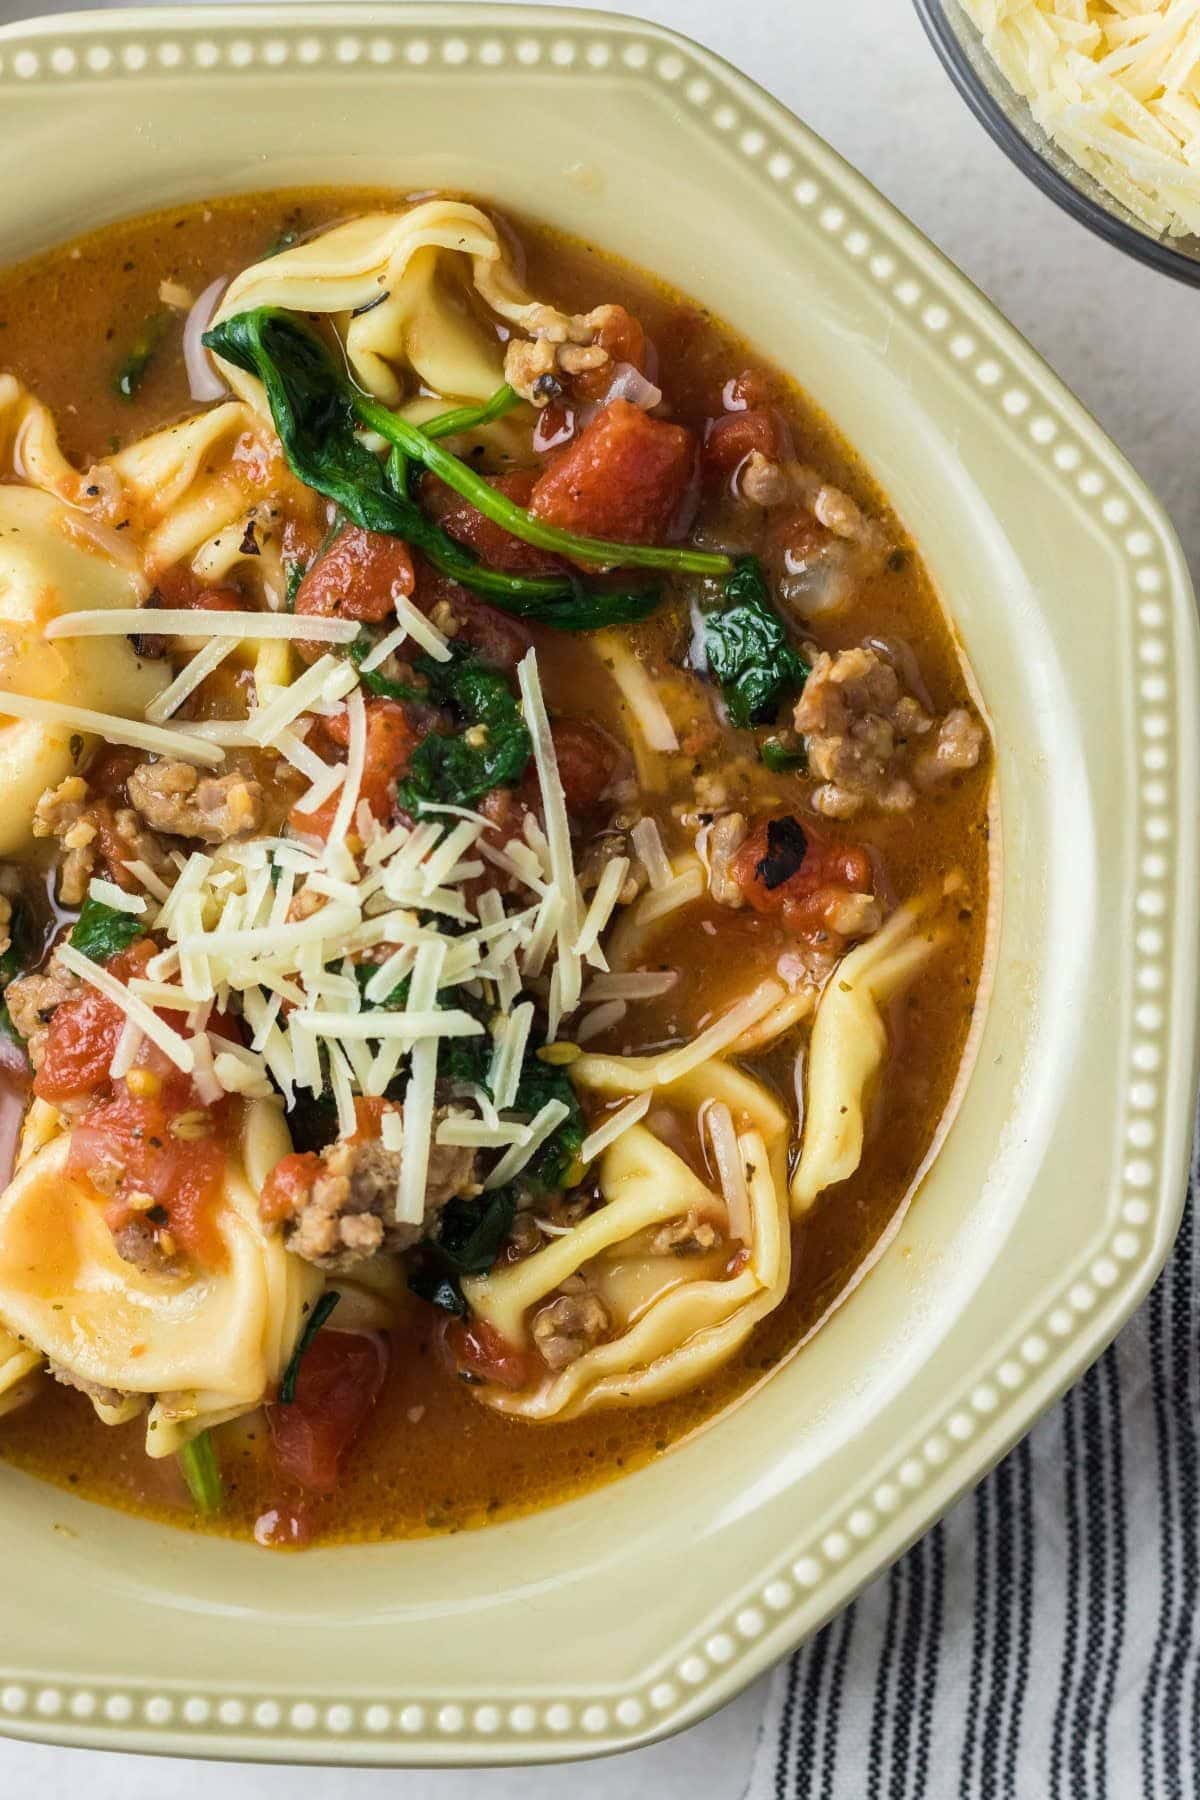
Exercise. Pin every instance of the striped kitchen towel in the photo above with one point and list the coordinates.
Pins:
(1043, 1641)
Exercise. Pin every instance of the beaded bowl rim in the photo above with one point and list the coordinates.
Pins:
(963, 1436)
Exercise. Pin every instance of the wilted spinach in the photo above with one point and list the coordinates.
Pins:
(317, 413)
(749, 650)
(492, 749)
(102, 931)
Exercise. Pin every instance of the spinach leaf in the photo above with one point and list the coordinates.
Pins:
(202, 1472)
(312, 1120)
(296, 571)
(317, 411)
(492, 750)
(431, 1282)
(548, 1171)
(749, 650)
(313, 1324)
(101, 931)
(784, 751)
(132, 371)
(470, 1232)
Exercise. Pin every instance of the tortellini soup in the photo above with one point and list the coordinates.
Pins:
(495, 836)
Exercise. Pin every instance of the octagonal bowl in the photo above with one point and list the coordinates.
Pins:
(1056, 1193)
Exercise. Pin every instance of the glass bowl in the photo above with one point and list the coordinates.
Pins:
(1008, 119)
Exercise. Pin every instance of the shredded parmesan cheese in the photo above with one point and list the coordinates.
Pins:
(568, 969)
(720, 1034)
(419, 629)
(615, 1126)
(604, 900)
(649, 845)
(182, 621)
(727, 1155)
(639, 694)
(541, 1126)
(109, 894)
(1116, 83)
(638, 984)
(188, 679)
(112, 728)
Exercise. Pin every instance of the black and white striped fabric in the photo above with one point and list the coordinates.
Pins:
(1043, 1641)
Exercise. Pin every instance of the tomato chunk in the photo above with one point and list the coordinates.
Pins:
(137, 1145)
(624, 339)
(80, 1043)
(83, 1033)
(340, 1379)
(733, 436)
(479, 1348)
(358, 577)
(288, 1186)
(178, 586)
(390, 743)
(625, 477)
(498, 548)
(587, 761)
(781, 870)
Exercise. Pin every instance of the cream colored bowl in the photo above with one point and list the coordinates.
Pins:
(1057, 1193)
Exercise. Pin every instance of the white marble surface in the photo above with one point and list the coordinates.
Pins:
(1124, 338)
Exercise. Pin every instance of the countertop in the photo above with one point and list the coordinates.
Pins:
(861, 73)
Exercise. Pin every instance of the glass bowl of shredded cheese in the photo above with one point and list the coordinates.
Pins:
(1098, 102)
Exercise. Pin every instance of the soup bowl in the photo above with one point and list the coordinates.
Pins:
(1055, 1191)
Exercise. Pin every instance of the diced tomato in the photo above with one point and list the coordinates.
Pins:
(748, 392)
(80, 1043)
(479, 1348)
(340, 1379)
(622, 336)
(496, 637)
(110, 769)
(733, 436)
(288, 1186)
(587, 761)
(625, 477)
(391, 740)
(498, 548)
(83, 1033)
(359, 577)
(506, 811)
(131, 1146)
(178, 586)
(821, 878)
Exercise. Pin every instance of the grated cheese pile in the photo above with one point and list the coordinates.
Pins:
(274, 926)
(1116, 83)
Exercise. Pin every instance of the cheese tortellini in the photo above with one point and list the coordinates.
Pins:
(199, 1347)
(849, 1044)
(674, 1319)
(397, 285)
(51, 562)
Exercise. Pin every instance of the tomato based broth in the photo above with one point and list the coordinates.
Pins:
(430, 1452)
